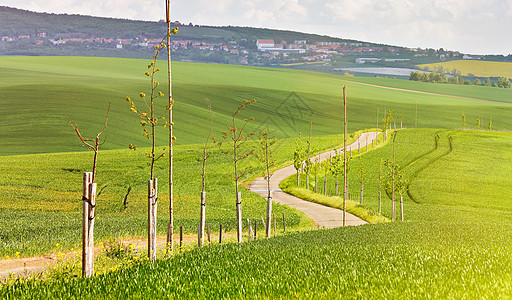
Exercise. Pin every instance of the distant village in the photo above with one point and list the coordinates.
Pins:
(261, 50)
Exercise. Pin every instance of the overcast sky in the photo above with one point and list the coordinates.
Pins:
(469, 26)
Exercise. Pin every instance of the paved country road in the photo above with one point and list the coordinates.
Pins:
(323, 216)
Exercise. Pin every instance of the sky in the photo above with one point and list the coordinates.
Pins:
(469, 26)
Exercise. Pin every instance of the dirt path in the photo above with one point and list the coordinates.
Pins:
(426, 93)
(323, 216)
(26, 266)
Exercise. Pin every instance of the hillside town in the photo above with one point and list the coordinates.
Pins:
(243, 51)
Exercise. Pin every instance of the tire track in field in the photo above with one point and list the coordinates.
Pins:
(415, 174)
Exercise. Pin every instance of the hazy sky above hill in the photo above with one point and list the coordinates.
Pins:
(470, 26)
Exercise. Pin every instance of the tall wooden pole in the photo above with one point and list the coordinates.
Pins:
(170, 227)
(87, 181)
(152, 208)
(393, 215)
(344, 152)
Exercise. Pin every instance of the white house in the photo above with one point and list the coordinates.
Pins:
(261, 44)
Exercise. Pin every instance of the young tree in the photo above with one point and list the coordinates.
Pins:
(316, 168)
(396, 183)
(89, 196)
(326, 166)
(235, 138)
(266, 156)
(463, 121)
(380, 186)
(490, 123)
(478, 122)
(92, 144)
(487, 82)
(337, 168)
(298, 158)
(203, 156)
(362, 173)
(149, 118)
(308, 164)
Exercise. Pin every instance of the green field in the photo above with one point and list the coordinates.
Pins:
(455, 242)
(39, 96)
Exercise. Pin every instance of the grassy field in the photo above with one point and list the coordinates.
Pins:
(39, 96)
(475, 67)
(455, 242)
(40, 196)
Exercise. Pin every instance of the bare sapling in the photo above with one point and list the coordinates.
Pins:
(380, 187)
(172, 138)
(149, 118)
(316, 168)
(201, 159)
(235, 138)
(265, 155)
(336, 169)
(326, 166)
(308, 164)
(392, 182)
(298, 158)
(362, 172)
(89, 199)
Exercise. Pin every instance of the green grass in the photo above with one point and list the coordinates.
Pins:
(39, 96)
(40, 195)
(456, 242)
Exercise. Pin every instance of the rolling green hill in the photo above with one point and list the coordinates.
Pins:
(39, 96)
(455, 243)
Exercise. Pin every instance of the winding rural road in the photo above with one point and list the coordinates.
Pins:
(323, 216)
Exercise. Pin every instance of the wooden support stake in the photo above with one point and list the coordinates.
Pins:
(208, 232)
(255, 228)
(152, 206)
(199, 240)
(86, 251)
(275, 224)
(239, 216)
(402, 208)
(249, 230)
(181, 238)
(202, 219)
(361, 198)
(269, 214)
(220, 234)
(284, 224)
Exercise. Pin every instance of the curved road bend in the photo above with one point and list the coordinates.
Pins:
(323, 216)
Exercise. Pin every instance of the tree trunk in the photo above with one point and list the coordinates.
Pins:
(298, 178)
(402, 207)
(239, 216)
(152, 209)
(361, 197)
(325, 185)
(269, 214)
(336, 188)
(202, 219)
